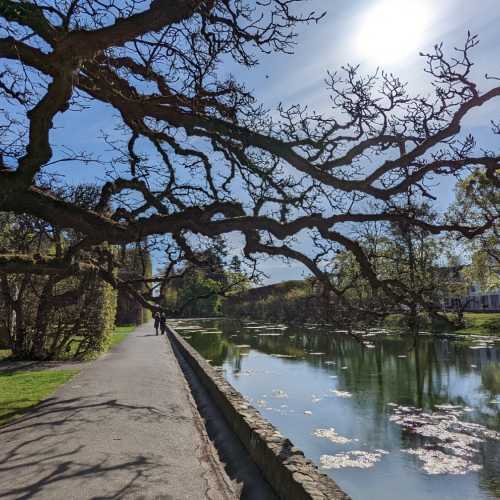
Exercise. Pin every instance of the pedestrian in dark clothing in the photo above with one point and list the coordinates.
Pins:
(157, 321)
(163, 323)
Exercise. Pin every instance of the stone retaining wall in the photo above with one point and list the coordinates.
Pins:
(292, 476)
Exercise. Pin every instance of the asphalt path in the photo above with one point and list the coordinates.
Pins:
(125, 427)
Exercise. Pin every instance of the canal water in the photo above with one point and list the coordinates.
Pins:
(384, 417)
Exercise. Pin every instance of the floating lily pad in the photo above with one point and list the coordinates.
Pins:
(355, 459)
(341, 394)
(446, 436)
(437, 462)
(331, 435)
(279, 394)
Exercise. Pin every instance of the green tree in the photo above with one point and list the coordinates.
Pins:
(136, 268)
(199, 285)
(43, 313)
(404, 255)
(477, 202)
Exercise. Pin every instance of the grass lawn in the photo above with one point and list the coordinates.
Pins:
(120, 334)
(22, 390)
(475, 324)
(481, 323)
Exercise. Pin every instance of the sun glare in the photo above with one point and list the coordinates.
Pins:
(393, 29)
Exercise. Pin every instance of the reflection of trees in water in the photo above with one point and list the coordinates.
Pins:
(421, 379)
(213, 346)
(236, 363)
(489, 478)
(378, 376)
(490, 378)
(374, 376)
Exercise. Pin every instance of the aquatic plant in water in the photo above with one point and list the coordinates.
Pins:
(437, 462)
(279, 394)
(331, 435)
(451, 442)
(357, 459)
(341, 394)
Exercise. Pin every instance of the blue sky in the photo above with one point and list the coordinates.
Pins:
(341, 39)
(374, 33)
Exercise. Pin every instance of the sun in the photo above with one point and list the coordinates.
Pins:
(391, 30)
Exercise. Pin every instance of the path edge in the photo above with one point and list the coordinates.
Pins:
(285, 467)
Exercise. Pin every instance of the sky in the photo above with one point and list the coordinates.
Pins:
(373, 33)
(386, 34)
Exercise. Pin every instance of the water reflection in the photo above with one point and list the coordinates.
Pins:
(385, 417)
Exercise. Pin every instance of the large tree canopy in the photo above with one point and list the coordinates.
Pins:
(200, 156)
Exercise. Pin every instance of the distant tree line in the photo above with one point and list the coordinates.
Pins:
(432, 268)
(289, 302)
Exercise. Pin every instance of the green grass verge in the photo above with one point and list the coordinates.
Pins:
(481, 324)
(475, 324)
(22, 390)
(120, 334)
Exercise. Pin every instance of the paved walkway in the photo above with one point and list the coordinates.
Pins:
(125, 427)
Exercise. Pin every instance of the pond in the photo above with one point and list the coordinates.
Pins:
(384, 417)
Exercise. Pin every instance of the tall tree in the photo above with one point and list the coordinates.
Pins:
(411, 256)
(216, 161)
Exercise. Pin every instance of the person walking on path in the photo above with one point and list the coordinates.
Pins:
(157, 321)
(163, 323)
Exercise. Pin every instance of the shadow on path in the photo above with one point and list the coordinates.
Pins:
(50, 425)
(10, 366)
(123, 428)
